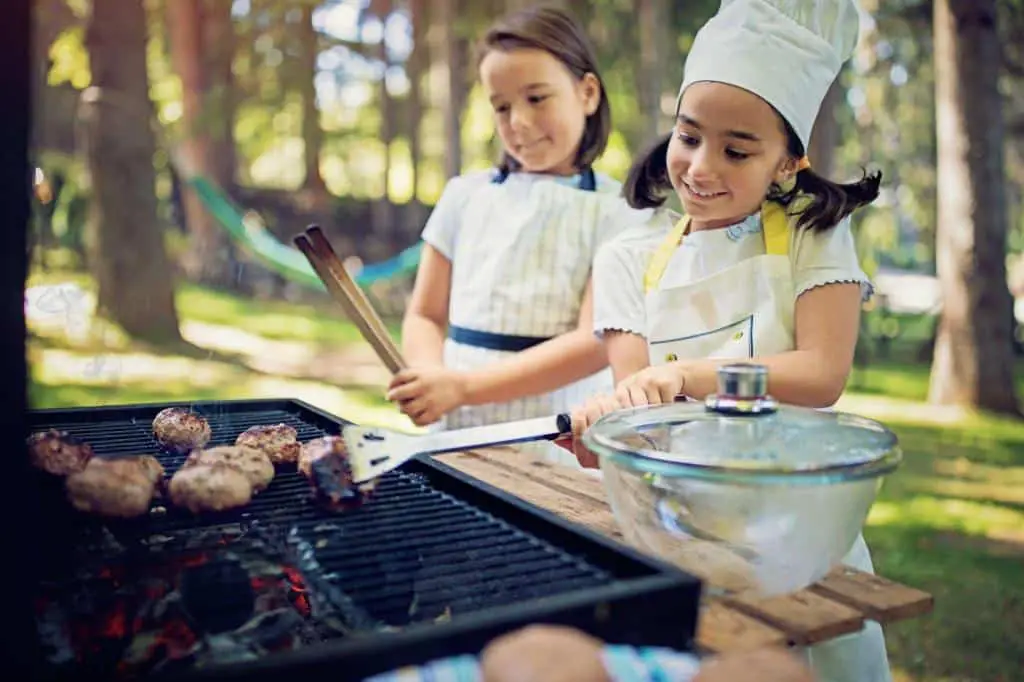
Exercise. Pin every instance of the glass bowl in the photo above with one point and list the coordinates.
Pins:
(751, 496)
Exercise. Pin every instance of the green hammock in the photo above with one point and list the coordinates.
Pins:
(283, 259)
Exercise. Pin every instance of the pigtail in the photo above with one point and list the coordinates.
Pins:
(647, 184)
(829, 202)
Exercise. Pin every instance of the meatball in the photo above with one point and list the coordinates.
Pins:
(279, 442)
(115, 486)
(210, 487)
(330, 477)
(58, 452)
(179, 430)
(254, 464)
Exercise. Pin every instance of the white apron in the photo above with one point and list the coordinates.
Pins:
(538, 237)
(742, 312)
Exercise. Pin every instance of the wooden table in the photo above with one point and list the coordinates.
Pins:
(837, 605)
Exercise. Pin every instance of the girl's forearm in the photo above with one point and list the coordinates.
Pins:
(422, 341)
(543, 368)
(799, 377)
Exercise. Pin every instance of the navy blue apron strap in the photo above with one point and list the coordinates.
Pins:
(588, 181)
(492, 341)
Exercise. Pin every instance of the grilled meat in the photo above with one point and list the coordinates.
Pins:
(210, 487)
(279, 442)
(180, 430)
(253, 463)
(330, 478)
(58, 452)
(116, 486)
(317, 448)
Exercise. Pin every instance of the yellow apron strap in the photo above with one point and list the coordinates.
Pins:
(659, 260)
(775, 224)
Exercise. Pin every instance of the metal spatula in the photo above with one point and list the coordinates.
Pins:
(373, 452)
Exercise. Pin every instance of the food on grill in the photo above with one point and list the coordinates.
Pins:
(330, 475)
(116, 486)
(253, 463)
(58, 452)
(317, 448)
(210, 487)
(180, 430)
(278, 441)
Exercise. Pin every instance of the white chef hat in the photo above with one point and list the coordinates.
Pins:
(787, 52)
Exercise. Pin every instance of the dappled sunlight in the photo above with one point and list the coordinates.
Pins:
(354, 365)
(949, 514)
(234, 340)
(63, 378)
(888, 409)
(1005, 493)
(59, 365)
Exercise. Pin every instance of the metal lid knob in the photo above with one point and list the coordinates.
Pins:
(742, 389)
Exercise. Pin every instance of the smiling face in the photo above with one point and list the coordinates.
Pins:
(540, 108)
(727, 148)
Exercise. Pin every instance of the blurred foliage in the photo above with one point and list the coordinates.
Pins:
(886, 119)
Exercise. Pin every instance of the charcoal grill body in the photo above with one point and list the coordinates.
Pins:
(435, 564)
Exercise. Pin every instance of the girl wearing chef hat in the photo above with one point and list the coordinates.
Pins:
(762, 265)
(499, 324)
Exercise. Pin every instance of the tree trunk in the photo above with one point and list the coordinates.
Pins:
(129, 261)
(385, 224)
(219, 46)
(312, 132)
(648, 71)
(825, 138)
(451, 92)
(973, 362)
(207, 259)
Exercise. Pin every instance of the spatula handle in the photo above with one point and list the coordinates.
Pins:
(492, 435)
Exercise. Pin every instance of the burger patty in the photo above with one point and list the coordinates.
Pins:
(179, 430)
(278, 441)
(58, 452)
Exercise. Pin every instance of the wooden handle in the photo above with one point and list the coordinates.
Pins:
(382, 345)
(327, 254)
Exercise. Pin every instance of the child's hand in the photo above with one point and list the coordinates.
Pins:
(652, 386)
(582, 418)
(426, 394)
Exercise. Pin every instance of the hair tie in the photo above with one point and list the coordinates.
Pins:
(803, 164)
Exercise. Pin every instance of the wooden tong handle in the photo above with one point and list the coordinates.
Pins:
(348, 295)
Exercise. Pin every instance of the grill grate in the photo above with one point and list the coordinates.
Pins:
(417, 551)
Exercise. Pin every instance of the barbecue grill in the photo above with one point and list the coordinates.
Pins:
(434, 564)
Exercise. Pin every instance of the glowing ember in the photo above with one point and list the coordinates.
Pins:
(129, 623)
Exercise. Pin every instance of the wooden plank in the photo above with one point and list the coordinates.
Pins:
(578, 509)
(805, 617)
(723, 629)
(534, 467)
(878, 598)
(836, 606)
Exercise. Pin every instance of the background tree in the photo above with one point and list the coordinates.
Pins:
(135, 285)
(973, 362)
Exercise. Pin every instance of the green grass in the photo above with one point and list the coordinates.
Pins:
(270, 319)
(950, 521)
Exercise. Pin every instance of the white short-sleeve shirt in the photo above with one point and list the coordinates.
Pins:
(819, 258)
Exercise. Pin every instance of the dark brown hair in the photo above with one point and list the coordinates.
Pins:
(648, 185)
(557, 33)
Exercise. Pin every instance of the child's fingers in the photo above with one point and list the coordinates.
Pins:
(631, 396)
(403, 376)
(405, 392)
